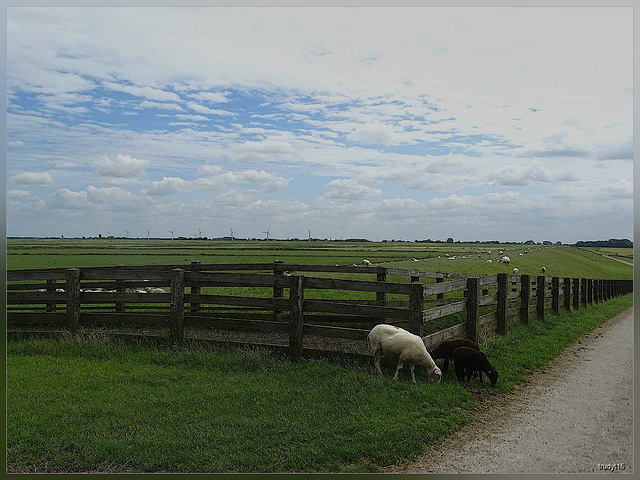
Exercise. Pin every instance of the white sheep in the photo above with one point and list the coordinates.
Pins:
(543, 269)
(389, 340)
(515, 271)
(506, 260)
(366, 262)
(489, 261)
(154, 290)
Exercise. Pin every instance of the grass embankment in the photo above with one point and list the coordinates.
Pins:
(98, 405)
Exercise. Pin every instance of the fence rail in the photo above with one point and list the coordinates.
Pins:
(294, 304)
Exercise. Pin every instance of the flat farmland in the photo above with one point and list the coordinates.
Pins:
(469, 258)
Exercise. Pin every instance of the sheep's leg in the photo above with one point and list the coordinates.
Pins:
(469, 374)
(376, 361)
(400, 365)
(412, 367)
(445, 367)
(480, 374)
(459, 372)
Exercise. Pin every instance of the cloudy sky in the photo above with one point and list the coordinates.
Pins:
(406, 123)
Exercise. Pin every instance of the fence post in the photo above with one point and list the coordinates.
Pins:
(296, 316)
(576, 293)
(195, 290)
(473, 309)
(440, 296)
(73, 299)
(590, 290)
(416, 306)
(540, 291)
(596, 291)
(567, 294)
(51, 287)
(381, 297)
(525, 289)
(278, 292)
(584, 292)
(501, 326)
(555, 294)
(176, 311)
(119, 289)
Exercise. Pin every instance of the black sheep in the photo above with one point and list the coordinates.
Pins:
(446, 348)
(467, 360)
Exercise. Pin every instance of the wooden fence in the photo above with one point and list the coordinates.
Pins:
(279, 301)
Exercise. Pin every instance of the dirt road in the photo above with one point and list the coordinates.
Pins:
(570, 417)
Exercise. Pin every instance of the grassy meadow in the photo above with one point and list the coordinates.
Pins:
(95, 404)
(559, 261)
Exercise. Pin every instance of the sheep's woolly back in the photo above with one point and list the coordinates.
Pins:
(395, 341)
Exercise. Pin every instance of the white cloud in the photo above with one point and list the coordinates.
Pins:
(212, 97)
(15, 144)
(270, 182)
(167, 186)
(209, 111)
(160, 105)
(195, 118)
(145, 92)
(68, 200)
(122, 166)
(349, 189)
(375, 134)
(32, 178)
(620, 189)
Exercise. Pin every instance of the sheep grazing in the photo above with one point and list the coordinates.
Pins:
(543, 269)
(515, 271)
(389, 340)
(154, 290)
(506, 260)
(489, 261)
(445, 350)
(467, 361)
(366, 262)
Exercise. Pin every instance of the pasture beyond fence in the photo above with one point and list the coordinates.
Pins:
(275, 298)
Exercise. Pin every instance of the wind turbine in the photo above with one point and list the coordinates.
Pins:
(267, 232)
(127, 233)
(172, 233)
(147, 234)
(231, 229)
(199, 232)
(309, 235)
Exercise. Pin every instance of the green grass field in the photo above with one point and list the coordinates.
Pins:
(100, 405)
(97, 405)
(559, 261)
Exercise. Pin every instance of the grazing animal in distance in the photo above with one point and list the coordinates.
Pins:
(515, 271)
(366, 262)
(446, 348)
(389, 340)
(543, 269)
(467, 361)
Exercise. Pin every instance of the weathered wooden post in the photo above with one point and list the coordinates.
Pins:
(525, 289)
(195, 290)
(502, 326)
(176, 306)
(596, 291)
(473, 309)
(381, 297)
(440, 296)
(296, 316)
(278, 292)
(584, 292)
(73, 299)
(51, 287)
(120, 306)
(567, 294)
(576, 293)
(590, 290)
(555, 294)
(540, 292)
(416, 307)
(415, 278)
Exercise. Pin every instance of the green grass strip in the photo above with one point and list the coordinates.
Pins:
(98, 405)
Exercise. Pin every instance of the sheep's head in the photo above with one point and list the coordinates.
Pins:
(435, 375)
(493, 376)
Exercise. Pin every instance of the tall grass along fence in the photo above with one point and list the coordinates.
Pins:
(276, 298)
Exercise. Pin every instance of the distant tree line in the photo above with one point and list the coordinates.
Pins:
(612, 242)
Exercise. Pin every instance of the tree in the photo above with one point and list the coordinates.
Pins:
(449, 240)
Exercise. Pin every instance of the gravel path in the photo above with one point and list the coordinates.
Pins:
(618, 260)
(571, 416)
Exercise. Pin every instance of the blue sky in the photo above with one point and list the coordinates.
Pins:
(381, 123)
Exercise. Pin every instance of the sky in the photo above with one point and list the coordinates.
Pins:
(479, 123)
